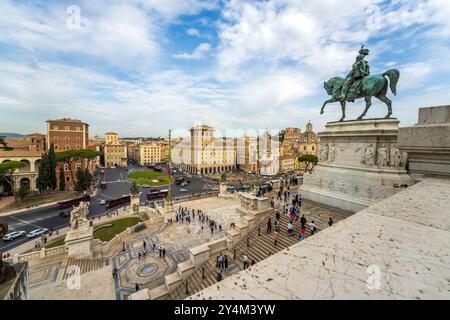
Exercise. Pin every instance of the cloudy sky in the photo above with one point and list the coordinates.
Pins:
(140, 67)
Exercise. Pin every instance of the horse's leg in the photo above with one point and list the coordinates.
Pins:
(368, 104)
(325, 103)
(343, 110)
(388, 102)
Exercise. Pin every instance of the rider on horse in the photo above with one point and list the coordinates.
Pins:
(360, 69)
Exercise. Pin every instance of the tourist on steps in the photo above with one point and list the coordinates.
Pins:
(269, 226)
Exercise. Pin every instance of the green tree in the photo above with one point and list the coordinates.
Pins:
(310, 161)
(62, 180)
(7, 169)
(52, 167)
(23, 192)
(69, 157)
(4, 145)
(43, 180)
(87, 178)
(79, 184)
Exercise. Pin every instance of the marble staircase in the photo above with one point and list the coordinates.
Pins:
(261, 246)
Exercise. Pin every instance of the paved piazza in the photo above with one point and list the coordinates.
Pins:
(148, 271)
(176, 238)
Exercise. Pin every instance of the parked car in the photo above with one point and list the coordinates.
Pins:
(145, 186)
(64, 214)
(37, 232)
(184, 184)
(13, 235)
(183, 190)
(102, 202)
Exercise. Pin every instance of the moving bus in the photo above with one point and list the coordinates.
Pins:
(157, 194)
(118, 201)
(73, 202)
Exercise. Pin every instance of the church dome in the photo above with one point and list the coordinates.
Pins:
(308, 136)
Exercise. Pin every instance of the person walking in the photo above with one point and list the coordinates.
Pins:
(164, 252)
(225, 262)
(269, 226)
(303, 221)
(219, 276)
(330, 221)
(137, 287)
(313, 227)
(302, 234)
(289, 228)
(245, 259)
(275, 237)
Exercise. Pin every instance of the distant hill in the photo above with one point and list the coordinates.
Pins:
(12, 135)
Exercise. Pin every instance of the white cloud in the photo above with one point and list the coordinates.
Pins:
(199, 53)
(193, 32)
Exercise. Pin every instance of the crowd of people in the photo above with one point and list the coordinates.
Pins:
(186, 215)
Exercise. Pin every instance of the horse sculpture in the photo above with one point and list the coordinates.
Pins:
(371, 86)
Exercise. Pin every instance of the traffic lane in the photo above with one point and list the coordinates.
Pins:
(55, 221)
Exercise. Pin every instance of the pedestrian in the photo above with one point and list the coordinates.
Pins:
(303, 221)
(160, 252)
(302, 233)
(269, 226)
(219, 276)
(275, 237)
(253, 262)
(330, 221)
(144, 244)
(217, 262)
(313, 227)
(225, 262)
(245, 259)
(289, 228)
(164, 252)
(139, 254)
(137, 287)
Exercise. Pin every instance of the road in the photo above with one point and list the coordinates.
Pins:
(117, 185)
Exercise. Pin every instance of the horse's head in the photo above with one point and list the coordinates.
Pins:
(334, 82)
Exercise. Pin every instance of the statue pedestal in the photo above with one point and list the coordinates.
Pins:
(223, 193)
(135, 204)
(78, 242)
(169, 206)
(359, 164)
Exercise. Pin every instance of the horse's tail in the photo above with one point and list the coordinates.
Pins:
(393, 76)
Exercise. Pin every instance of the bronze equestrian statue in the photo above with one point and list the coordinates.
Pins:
(360, 84)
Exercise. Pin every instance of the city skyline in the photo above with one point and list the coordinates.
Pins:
(236, 64)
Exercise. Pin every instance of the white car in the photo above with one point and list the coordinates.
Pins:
(13, 235)
(183, 190)
(37, 232)
(102, 202)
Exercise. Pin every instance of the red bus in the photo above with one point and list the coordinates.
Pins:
(73, 202)
(157, 194)
(118, 201)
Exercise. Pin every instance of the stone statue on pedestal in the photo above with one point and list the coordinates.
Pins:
(78, 215)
